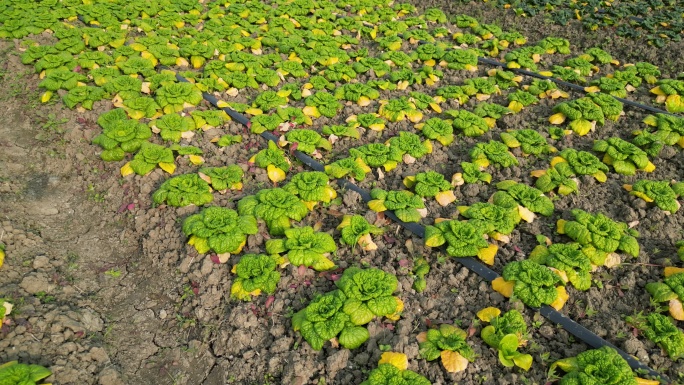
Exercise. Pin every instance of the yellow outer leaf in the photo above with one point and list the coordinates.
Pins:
(398, 360)
(254, 111)
(527, 215)
(310, 205)
(503, 287)
(491, 122)
(600, 176)
(428, 145)
(275, 174)
(366, 243)
(651, 120)
(410, 181)
(430, 62)
(363, 165)
(676, 310)
(558, 118)
(650, 167)
(311, 111)
(436, 107)
(346, 221)
(330, 193)
(537, 173)
(397, 314)
(556, 160)
(561, 226)
(414, 116)
(377, 126)
(453, 362)
(515, 106)
(487, 254)
(657, 91)
(681, 142)
(126, 169)
(2, 257)
(642, 196)
(488, 314)
(168, 167)
(364, 101)
(445, 197)
(670, 270)
(562, 298)
(390, 165)
(627, 187)
(196, 159)
(377, 205)
(592, 89)
(47, 95)
(643, 381)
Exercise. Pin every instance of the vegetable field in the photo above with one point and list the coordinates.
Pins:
(353, 192)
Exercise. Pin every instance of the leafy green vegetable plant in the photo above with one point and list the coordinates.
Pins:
(572, 264)
(120, 135)
(449, 343)
(533, 284)
(463, 239)
(323, 319)
(175, 97)
(669, 128)
(430, 184)
(663, 193)
(409, 146)
(601, 232)
(355, 168)
(527, 200)
(277, 207)
(303, 246)
(670, 92)
(173, 127)
(322, 103)
(662, 331)
(596, 366)
(531, 142)
(222, 179)
(625, 157)
(471, 124)
(420, 269)
(148, 157)
(405, 205)
(255, 274)
(15, 373)
(437, 129)
(499, 220)
(377, 155)
(396, 110)
(392, 369)
(560, 177)
(369, 121)
(369, 294)
(355, 229)
(184, 190)
(506, 333)
(311, 187)
(220, 230)
(670, 290)
(273, 159)
(307, 140)
(493, 152)
(472, 173)
(582, 113)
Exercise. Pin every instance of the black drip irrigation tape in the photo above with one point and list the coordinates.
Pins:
(579, 331)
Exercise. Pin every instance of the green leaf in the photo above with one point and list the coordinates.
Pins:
(352, 337)
(359, 312)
